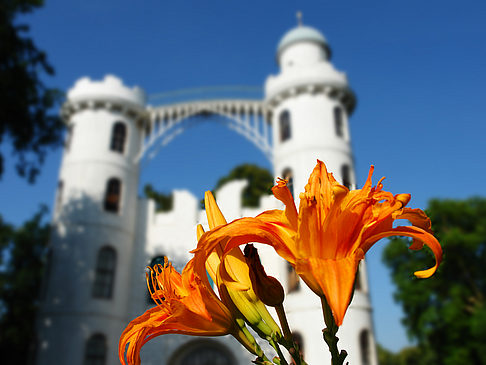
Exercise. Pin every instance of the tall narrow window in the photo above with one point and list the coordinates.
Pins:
(69, 137)
(285, 131)
(346, 176)
(118, 137)
(105, 273)
(112, 195)
(293, 282)
(364, 344)
(287, 175)
(95, 350)
(60, 188)
(338, 121)
(157, 260)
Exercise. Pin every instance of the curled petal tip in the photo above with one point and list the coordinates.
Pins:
(424, 274)
(403, 198)
(339, 190)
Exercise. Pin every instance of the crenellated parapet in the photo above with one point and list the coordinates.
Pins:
(109, 94)
(278, 89)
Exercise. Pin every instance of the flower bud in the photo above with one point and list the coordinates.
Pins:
(267, 288)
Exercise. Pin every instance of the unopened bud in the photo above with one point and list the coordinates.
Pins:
(267, 288)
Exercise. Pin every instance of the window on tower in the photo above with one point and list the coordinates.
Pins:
(202, 352)
(364, 344)
(293, 282)
(118, 137)
(112, 195)
(285, 131)
(157, 260)
(338, 121)
(95, 350)
(59, 195)
(69, 137)
(346, 175)
(287, 175)
(105, 273)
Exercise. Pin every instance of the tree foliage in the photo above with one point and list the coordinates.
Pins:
(413, 355)
(21, 270)
(446, 313)
(260, 182)
(163, 202)
(27, 119)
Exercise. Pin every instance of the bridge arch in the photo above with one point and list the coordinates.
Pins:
(249, 118)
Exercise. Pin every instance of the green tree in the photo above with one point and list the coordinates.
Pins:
(260, 182)
(163, 202)
(27, 117)
(22, 256)
(446, 313)
(406, 356)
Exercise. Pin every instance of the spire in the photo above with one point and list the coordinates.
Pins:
(299, 18)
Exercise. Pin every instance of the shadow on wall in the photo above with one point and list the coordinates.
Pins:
(86, 282)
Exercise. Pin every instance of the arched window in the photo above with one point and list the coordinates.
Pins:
(118, 137)
(346, 176)
(105, 273)
(285, 131)
(338, 121)
(60, 188)
(289, 176)
(95, 350)
(157, 260)
(69, 137)
(112, 195)
(293, 282)
(203, 352)
(364, 345)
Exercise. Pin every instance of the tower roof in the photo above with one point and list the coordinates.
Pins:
(299, 34)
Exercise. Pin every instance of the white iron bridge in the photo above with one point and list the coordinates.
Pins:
(249, 117)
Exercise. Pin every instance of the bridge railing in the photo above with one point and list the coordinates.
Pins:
(206, 93)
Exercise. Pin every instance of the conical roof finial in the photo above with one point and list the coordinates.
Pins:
(299, 18)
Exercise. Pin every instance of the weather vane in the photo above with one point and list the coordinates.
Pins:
(299, 18)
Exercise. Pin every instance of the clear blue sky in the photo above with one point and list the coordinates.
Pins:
(417, 67)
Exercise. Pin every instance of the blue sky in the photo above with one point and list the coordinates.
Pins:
(417, 68)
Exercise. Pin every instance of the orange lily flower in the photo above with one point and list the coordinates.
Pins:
(185, 305)
(331, 232)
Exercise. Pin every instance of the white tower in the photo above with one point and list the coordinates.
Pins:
(310, 102)
(86, 301)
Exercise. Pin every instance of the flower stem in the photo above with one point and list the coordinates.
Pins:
(283, 322)
(279, 351)
(329, 334)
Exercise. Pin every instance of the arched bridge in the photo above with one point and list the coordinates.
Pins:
(248, 117)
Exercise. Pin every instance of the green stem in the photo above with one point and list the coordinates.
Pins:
(329, 334)
(279, 352)
(283, 322)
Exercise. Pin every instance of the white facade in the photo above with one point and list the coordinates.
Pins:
(104, 236)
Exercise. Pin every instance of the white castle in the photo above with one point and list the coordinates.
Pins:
(104, 235)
